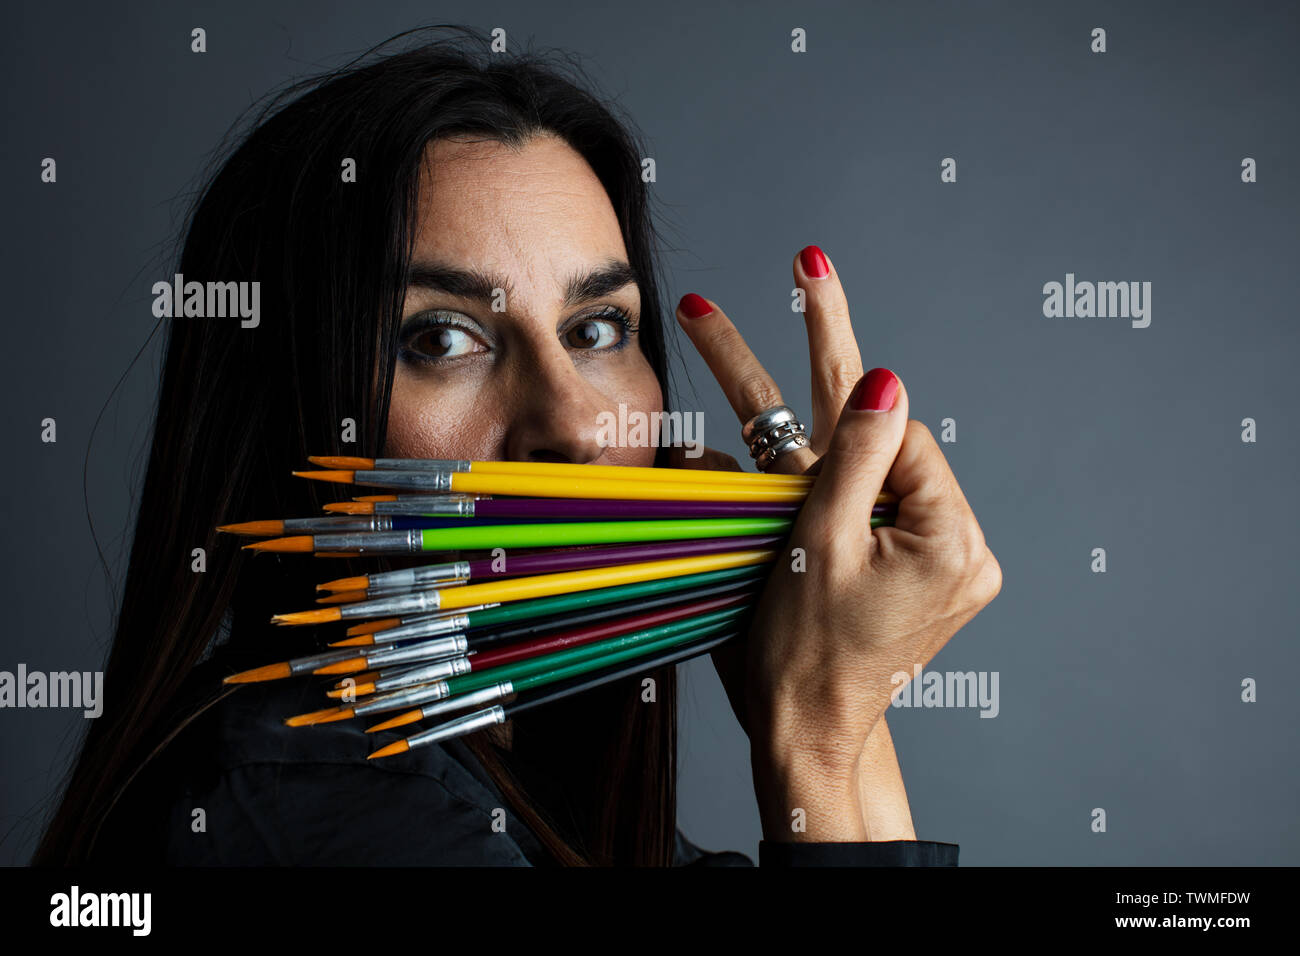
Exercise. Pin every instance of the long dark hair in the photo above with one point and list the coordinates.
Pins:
(240, 408)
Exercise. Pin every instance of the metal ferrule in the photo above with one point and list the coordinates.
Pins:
(411, 697)
(422, 586)
(422, 618)
(475, 698)
(422, 464)
(380, 542)
(456, 621)
(417, 603)
(410, 480)
(479, 720)
(449, 506)
(326, 525)
(449, 572)
(428, 575)
(424, 651)
(440, 670)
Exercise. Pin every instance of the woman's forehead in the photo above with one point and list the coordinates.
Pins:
(537, 213)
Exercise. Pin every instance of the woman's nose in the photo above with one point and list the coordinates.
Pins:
(557, 415)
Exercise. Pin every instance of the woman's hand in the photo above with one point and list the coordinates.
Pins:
(829, 636)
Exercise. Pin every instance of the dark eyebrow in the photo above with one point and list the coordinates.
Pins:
(471, 284)
(462, 283)
(598, 283)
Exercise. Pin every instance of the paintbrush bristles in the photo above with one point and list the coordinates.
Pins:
(359, 583)
(338, 477)
(342, 462)
(269, 672)
(298, 544)
(253, 527)
(326, 615)
(370, 627)
(401, 720)
(329, 715)
(343, 597)
(400, 747)
(350, 666)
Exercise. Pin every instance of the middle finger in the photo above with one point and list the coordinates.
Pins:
(832, 347)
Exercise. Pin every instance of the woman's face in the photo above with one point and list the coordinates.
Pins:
(519, 325)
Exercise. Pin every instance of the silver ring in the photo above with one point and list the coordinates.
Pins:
(772, 433)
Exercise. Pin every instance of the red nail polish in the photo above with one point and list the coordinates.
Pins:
(693, 306)
(814, 262)
(875, 391)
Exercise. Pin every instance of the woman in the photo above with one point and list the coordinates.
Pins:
(385, 211)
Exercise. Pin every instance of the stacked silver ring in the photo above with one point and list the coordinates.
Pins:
(772, 433)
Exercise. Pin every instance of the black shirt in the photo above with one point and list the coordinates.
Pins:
(238, 787)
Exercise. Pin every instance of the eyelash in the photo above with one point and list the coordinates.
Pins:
(429, 322)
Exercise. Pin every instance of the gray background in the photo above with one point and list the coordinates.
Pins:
(1118, 690)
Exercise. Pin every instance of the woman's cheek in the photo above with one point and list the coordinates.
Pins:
(638, 389)
(440, 421)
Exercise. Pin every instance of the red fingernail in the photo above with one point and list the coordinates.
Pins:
(814, 262)
(875, 391)
(693, 306)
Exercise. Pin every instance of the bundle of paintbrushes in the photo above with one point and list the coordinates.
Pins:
(553, 579)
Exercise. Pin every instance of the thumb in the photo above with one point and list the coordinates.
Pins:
(865, 443)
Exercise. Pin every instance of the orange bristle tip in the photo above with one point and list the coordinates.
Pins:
(298, 544)
(401, 720)
(364, 640)
(319, 717)
(343, 597)
(346, 462)
(338, 477)
(253, 527)
(269, 672)
(346, 584)
(400, 747)
(350, 666)
(371, 627)
(325, 615)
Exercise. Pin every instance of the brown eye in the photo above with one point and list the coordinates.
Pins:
(443, 342)
(592, 334)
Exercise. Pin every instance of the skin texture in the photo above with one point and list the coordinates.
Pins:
(812, 681)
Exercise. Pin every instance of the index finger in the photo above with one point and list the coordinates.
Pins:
(746, 383)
